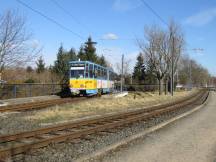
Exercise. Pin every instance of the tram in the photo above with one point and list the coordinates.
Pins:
(88, 78)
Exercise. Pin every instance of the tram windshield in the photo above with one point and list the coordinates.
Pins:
(77, 72)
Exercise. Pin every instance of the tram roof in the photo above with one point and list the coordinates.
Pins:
(89, 62)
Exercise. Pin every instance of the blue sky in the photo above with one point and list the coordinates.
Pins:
(115, 23)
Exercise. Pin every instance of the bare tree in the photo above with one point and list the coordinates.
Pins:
(126, 67)
(156, 52)
(127, 76)
(184, 70)
(176, 48)
(192, 73)
(16, 47)
(162, 49)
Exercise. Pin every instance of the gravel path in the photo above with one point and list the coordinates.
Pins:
(192, 139)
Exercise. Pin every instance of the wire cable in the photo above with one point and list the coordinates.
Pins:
(154, 12)
(69, 13)
(50, 19)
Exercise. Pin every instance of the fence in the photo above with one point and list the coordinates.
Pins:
(28, 90)
(141, 87)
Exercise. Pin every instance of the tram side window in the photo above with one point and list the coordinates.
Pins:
(100, 72)
(109, 75)
(91, 71)
(86, 71)
(105, 74)
(95, 71)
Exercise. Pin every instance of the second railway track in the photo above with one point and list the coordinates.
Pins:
(38, 104)
(11, 145)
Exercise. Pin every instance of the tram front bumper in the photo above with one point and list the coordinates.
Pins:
(75, 91)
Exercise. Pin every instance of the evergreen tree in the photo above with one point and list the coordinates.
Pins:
(72, 55)
(81, 54)
(139, 69)
(88, 53)
(149, 76)
(40, 65)
(61, 65)
(90, 50)
(102, 61)
(29, 69)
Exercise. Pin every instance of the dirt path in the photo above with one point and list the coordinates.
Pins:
(192, 139)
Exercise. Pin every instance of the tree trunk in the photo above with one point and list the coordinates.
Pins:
(166, 86)
(160, 86)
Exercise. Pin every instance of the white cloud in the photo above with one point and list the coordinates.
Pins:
(110, 36)
(33, 43)
(126, 5)
(201, 18)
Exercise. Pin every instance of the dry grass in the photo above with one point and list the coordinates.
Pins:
(99, 106)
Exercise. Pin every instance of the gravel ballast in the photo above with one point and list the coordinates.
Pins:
(70, 151)
(191, 139)
(15, 122)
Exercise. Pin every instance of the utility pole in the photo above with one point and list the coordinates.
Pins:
(122, 71)
(190, 73)
(177, 76)
(172, 66)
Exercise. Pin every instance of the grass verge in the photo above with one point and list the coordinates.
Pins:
(101, 106)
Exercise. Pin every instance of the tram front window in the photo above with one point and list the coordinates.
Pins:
(77, 73)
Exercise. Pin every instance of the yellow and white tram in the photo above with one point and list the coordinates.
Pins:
(88, 78)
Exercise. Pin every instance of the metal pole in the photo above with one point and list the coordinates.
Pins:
(177, 76)
(30, 90)
(190, 73)
(172, 70)
(122, 70)
(15, 91)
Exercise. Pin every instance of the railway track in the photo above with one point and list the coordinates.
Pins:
(38, 104)
(14, 144)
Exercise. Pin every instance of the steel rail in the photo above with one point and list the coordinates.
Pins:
(100, 124)
(87, 121)
(72, 125)
(38, 104)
